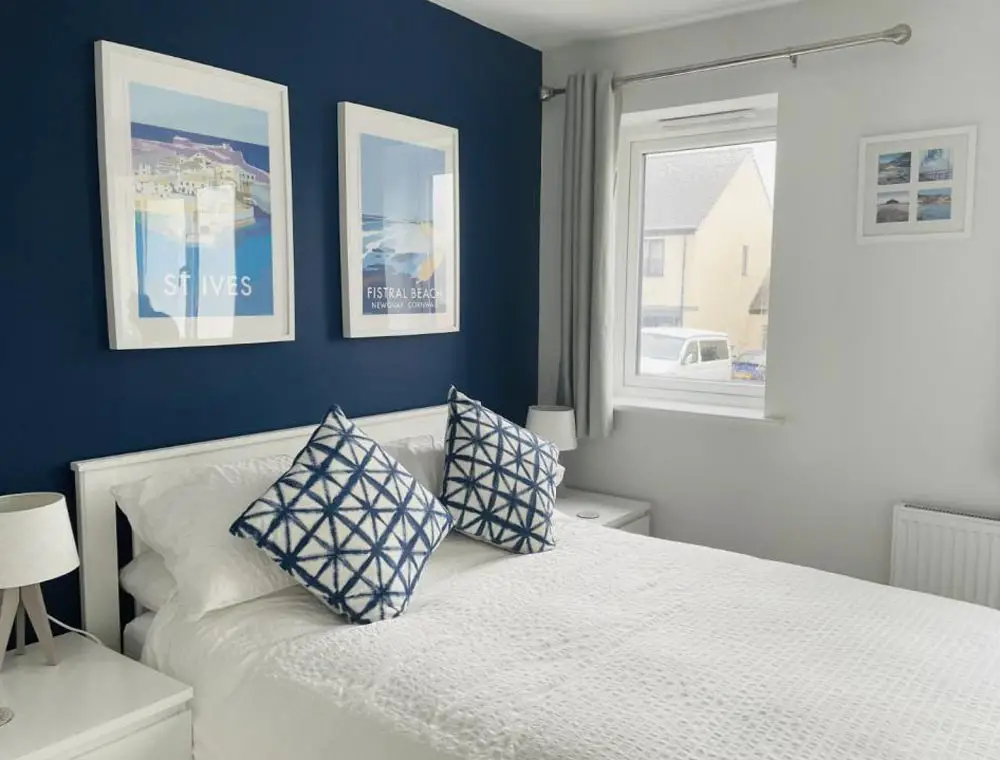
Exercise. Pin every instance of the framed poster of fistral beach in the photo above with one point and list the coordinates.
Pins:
(196, 202)
(399, 224)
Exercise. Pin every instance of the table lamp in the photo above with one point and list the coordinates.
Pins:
(556, 424)
(36, 545)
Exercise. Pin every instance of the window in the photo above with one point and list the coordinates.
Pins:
(666, 347)
(652, 263)
(714, 350)
(695, 301)
(691, 353)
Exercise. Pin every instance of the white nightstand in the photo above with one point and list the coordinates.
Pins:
(94, 705)
(609, 511)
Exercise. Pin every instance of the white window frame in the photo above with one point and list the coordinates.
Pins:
(630, 386)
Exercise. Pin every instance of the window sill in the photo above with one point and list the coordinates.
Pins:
(731, 412)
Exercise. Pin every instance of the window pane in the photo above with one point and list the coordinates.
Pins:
(714, 350)
(706, 263)
(664, 347)
(654, 256)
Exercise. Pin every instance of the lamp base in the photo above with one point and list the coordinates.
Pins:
(13, 604)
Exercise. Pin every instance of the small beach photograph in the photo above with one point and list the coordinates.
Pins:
(917, 185)
(893, 208)
(895, 168)
(934, 205)
(937, 165)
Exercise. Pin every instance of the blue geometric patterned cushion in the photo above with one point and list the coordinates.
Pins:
(348, 523)
(499, 479)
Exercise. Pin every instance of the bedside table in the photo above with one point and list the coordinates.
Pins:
(609, 511)
(94, 705)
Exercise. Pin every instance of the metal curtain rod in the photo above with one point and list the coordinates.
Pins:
(898, 35)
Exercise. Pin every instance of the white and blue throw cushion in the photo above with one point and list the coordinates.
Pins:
(349, 523)
(499, 479)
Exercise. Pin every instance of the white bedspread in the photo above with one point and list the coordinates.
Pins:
(612, 646)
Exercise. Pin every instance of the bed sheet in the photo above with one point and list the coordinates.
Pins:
(612, 646)
(135, 633)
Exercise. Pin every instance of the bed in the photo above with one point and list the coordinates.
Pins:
(611, 646)
(135, 634)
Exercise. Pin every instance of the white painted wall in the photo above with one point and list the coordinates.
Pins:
(884, 359)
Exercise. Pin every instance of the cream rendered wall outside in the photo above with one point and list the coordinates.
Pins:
(666, 293)
(717, 295)
(704, 269)
(883, 360)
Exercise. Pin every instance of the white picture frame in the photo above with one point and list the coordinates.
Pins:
(196, 202)
(917, 186)
(399, 224)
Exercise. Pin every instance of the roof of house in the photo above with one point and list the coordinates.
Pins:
(682, 187)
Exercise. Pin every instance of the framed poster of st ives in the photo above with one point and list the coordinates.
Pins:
(399, 224)
(196, 203)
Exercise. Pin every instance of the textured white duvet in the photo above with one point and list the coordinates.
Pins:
(611, 646)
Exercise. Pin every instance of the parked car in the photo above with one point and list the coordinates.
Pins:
(750, 365)
(682, 352)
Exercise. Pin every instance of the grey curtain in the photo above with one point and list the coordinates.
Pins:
(586, 332)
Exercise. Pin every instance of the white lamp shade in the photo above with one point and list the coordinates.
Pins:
(36, 539)
(556, 424)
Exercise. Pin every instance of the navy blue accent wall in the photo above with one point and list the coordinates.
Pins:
(64, 395)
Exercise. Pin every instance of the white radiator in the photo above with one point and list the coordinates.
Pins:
(946, 553)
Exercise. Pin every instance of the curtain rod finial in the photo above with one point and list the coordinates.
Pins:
(900, 34)
(546, 93)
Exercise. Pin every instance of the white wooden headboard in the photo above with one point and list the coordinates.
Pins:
(96, 512)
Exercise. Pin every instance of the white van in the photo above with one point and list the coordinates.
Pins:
(681, 352)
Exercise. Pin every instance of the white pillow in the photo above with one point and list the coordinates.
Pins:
(185, 518)
(422, 457)
(147, 579)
